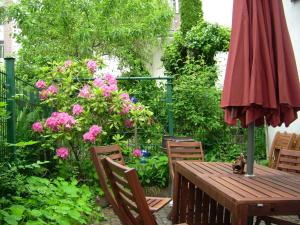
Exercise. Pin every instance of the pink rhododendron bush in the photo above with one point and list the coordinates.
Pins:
(88, 109)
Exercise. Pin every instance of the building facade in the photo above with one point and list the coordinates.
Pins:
(292, 14)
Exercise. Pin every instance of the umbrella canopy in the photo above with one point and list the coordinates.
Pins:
(261, 81)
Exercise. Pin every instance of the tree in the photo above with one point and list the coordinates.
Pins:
(55, 29)
(190, 13)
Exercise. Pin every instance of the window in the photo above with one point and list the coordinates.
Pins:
(1, 49)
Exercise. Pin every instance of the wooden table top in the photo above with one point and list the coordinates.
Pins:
(217, 179)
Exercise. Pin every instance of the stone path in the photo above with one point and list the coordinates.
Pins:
(161, 217)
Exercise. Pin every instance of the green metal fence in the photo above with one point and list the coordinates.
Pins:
(21, 98)
(3, 121)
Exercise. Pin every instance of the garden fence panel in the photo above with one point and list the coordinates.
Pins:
(3, 121)
(21, 99)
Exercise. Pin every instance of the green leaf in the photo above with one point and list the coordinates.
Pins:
(17, 210)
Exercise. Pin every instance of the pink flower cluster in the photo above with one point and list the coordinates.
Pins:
(68, 63)
(40, 84)
(62, 152)
(60, 120)
(125, 97)
(108, 85)
(85, 92)
(137, 153)
(126, 106)
(92, 66)
(128, 123)
(77, 109)
(92, 134)
(111, 80)
(51, 90)
(37, 127)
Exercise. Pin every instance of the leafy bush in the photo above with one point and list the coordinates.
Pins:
(153, 172)
(43, 201)
(202, 43)
(88, 112)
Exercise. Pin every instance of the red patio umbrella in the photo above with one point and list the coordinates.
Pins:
(261, 82)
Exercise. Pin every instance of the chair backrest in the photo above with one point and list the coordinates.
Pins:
(296, 145)
(99, 152)
(131, 200)
(280, 141)
(289, 161)
(183, 151)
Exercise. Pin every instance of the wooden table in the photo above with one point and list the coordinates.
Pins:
(209, 193)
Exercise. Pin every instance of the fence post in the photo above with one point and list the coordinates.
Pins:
(11, 105)
(169, 106)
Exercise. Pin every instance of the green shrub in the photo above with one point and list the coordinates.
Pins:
(154, 172)
(202, 43)
(43, 201)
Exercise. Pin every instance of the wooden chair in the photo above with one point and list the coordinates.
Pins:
(280, 141)
(288, 161)
(183, 151)
(134, 208)
(114, 153)
(296, 145)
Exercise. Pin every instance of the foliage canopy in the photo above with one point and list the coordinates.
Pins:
(52, 30)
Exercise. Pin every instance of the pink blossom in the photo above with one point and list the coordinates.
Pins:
(92, 66)
(111, 80)
(62, 152)
(68, 63)
(125, 110)
(92, 134)
(85, 92)
(40, 84)
(77, 109)
(60, 120)
(106, 91)
(128, 123)
(37, 127)
(125, 97)
(89, 137)
(98, 82)
(52, 89)
(44, 94)
(95, 130)
(137, 153)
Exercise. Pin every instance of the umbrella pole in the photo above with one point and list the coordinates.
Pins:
(250, 150)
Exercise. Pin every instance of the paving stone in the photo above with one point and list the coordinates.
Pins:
(161, 217)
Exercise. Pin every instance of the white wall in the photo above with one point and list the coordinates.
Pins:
(1, 32)
(292, 13)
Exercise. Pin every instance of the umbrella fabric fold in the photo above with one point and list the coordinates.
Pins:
(261, 81)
